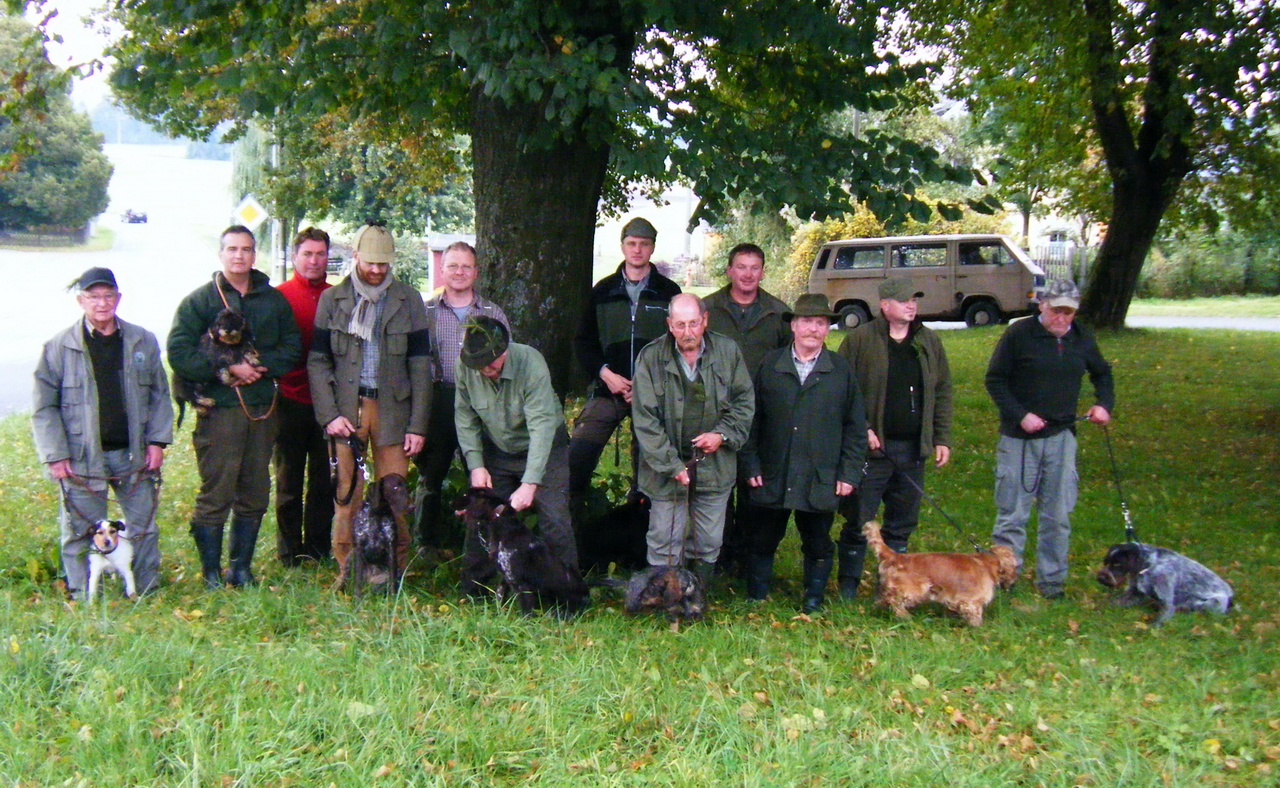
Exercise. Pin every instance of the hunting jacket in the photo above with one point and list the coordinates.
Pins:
(275, 335)
(767, 333)
(805, 436)
(609, 336)
(64, 419)
(866, 348)
(404, 373)
(657, 411)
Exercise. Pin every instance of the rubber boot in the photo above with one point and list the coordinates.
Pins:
(244, 537)
(209, 545)
(759, 576)
(706, 571)
(850, 573)
(816, 573)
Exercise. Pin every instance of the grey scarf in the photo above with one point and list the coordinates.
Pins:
(365, 313)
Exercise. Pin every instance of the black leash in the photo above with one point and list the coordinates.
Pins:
(898, 469)
(140, 476)
(1129, 533)
(357, 448)
(692, 468)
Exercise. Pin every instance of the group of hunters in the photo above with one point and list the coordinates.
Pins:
(742, 418)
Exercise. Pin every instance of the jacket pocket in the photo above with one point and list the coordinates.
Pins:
(340, 341)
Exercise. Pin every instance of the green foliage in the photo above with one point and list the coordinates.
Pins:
(1202, 264)
(53, 171)
(288, 683)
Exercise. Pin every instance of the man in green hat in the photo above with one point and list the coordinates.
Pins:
(906, 385)
(511, 431)
(806, 449)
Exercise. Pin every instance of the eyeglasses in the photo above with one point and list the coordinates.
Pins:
(100, 298)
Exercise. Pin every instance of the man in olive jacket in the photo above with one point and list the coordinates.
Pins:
(370, 375)
(235, 439)
(806, 449)
(692, 407)
(906, 385)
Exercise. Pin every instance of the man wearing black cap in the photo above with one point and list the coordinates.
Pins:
(511, 430)
(906, 384)
(627, 310)
(101, 416)
(370, 375)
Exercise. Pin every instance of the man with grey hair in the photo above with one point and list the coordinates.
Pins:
(101, 417)
(693, 405)
(1034, 379)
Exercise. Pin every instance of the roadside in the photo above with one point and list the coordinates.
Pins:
(1217, 307)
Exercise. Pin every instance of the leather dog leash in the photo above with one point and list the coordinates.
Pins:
(357, 449)
(139, 476)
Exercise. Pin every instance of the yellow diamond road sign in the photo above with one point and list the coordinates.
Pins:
(250, 213)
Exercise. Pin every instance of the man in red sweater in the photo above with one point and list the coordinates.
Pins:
(304, 494)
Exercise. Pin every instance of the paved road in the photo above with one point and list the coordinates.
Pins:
(187, 202)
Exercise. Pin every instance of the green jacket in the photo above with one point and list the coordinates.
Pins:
(404, 363)
(806, 436)
(657, 410)
(767, 333)
(275, 335)
(866, 348)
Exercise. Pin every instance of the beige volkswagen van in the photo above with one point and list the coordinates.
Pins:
(981, 279)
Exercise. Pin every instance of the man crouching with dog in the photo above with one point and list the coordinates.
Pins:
(370, 375)
(512, 435)
(102, 418)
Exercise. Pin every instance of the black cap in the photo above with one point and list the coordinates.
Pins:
(94, 276)
(485, 339)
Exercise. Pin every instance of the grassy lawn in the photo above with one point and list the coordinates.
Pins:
(1222, 306)
(289, 684)
(103, 238)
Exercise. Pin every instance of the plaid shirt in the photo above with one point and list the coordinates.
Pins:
(803, 368)
(372, 354)
(446, 333)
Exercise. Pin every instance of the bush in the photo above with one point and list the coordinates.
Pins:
(1230, 263)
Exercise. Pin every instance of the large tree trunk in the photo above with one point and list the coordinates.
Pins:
(535, 226)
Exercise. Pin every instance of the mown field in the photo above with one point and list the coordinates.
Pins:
(290, 684)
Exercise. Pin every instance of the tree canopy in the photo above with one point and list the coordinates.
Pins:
(55, 172)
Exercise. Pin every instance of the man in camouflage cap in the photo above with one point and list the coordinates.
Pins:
(1034, 378)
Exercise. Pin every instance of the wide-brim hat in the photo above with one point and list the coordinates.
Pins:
(897, 288)
(374, 244)
(483, 341)
(811, 305)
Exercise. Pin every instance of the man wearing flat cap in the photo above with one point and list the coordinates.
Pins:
(626, 311)
(805, 452)
(101, 418)
(370, 376)
(1034, 379)
(906, 385)
(511, 430)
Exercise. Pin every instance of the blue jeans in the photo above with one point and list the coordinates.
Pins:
(1040, 471)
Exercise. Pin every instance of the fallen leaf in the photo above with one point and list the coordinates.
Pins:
(1041, 726)
(1211, 746)
(1073, 625)
(747, 710)
(356, 709)
(384, 770)
(920, 681)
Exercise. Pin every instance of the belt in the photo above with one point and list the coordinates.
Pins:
(368, 393)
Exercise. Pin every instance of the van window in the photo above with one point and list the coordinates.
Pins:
(822, 259)
(920, 255)
(848, 257)
(984, 253)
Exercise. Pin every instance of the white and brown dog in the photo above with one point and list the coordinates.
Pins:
(110, 552)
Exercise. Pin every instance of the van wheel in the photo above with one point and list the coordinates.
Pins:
(853, 316)
(981, 313)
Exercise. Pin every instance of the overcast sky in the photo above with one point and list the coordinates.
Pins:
(81, 42)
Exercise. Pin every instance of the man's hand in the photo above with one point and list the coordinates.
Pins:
(941, 455)
(873, 441)
(1099, 415)
(413, 444)
(843, 489)
(339, 427)
(60, 469)
(522, 498)
(618, 385)
(245, 373)
(683, 477)
(756, 481)
(480, 478)
(708, 442)
(155, 457)
(1032, 423)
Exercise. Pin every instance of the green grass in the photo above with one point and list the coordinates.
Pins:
(1220, 306)
(289, 684)
(103, 239)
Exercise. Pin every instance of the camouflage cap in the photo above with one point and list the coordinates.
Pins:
(639, 228)
(1060, 292)
(897, 288)
(485, 339)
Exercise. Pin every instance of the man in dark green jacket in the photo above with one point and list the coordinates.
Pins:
(806, 449)
(906, 385)
(751, 317)
(234, 440)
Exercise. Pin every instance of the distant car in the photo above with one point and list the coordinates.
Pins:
(133, 217)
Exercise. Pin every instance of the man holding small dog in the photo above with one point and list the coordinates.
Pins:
(511, 430)
(101, 418)
(1034, 379)
(370, 375)
(234, 440)
(692, 406)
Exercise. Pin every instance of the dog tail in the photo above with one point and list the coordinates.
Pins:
(872, 532)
